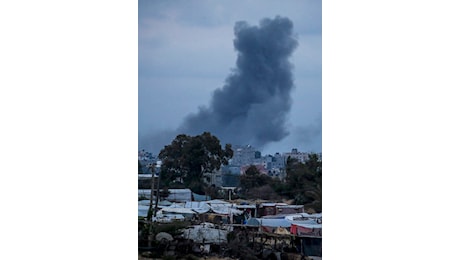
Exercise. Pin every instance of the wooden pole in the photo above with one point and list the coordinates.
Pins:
(157, 196)
(152, 187)
(149, 215)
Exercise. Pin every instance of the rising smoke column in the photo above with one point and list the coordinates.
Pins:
(252, 106)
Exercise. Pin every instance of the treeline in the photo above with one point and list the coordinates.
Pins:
(302, 184)
(188, 158)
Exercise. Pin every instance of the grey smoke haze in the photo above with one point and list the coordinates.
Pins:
(252, 106)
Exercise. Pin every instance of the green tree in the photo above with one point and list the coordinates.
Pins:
(252, 178)
(187, 158)
(256, 185)
(304, 181)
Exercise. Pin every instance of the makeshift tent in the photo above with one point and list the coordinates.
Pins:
(269, 225)
(144, 202)
(198, 197)
(226, 210)
(306, 230)
(181, 211)
(164, 203)
(217, 202)
(144, 193)
(289, 209)
(198, 206)
(142, 210)
(274, 222)
(206, 233)
(179, 195)
(253, 222)
(177, 205)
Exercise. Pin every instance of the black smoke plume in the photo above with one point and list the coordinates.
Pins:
(252, 106)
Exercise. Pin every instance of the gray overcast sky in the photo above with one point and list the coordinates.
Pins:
(186, 52)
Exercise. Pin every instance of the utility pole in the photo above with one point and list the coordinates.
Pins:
(149, 215)
(158, 166)
(153, 169)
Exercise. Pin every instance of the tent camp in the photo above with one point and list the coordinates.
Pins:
(306, 229)
(199, 207)
(179, 195)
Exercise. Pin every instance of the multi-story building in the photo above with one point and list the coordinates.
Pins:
(213, 178)
(295, 154)
(243, 155)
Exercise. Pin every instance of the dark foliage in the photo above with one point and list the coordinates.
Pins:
(303, 183)
(187, 158)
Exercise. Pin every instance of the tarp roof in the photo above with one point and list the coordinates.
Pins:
(198, 206)
(307, 224)
(180, 191)
(160, 203)
(189, 207)
(314, 215)
(272, 204)
(270, 222)
(253, 222)
(144, 202)
(144, 175)
(205, 234)
(306, 230)
(142, 210)
(145, 192)
(165, 203)
(177, 205)
(178, 210)
(217, 202)
(224, 210)
(283, 223)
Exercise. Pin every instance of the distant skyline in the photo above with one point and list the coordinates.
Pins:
(186, 52)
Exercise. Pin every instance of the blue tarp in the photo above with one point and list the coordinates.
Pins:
(269, 222)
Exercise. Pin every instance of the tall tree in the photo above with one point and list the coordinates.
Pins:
(256, 185)
(304, 181)
(187, 158)
(252, 178)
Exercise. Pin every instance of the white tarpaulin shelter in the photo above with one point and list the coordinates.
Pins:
(177, 210)
(199, 207)
(206, 233)
(226, 210)
(217, 203)
(274, 222)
